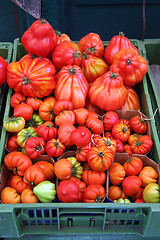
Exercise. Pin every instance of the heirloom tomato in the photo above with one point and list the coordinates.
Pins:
(94, 194)
(81, 136)
(133, 138)
(35, 103)
(18, 184)
(61, 37)
(116, 173)
(71, 85)
(47, 168)
(121, 131)
(92, 45)
(63, 169)
(3, 71)
(95, 125)
(132, 102)
(82, 152)
(55, 148)
(100, 158)
(12, 144)
(110, 118)
(27, 196)
(25, 134)
(81, 185)
(35, 121)
(130, 66)
(120, 146)
(64, 133)
(46, 110)
(17, 162)
(127, 149)
(142, 145)
(47, 131)
(108, 142)
(10, 195)
(116, 44)
(40, 38)
(34, 147)
(139, 200)
(65, 116)
(16, 99)
(23, 110)
(148, 175)
(81, 114)
(116, 192)
(133, 166)
(151, 193)
(14, 124)
(93, 67)
(45, 191)
(131, 185)
(32, 76)
(111, 86)
(93, 177)
(93, 108)
(68, 191)
(66, 53)
(34, 175)
(77, 169)
(138, 124)
(62, 105)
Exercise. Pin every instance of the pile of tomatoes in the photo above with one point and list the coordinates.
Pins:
(65, 97)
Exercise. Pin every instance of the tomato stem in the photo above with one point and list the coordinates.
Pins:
(72, 71)
(128, 61)
(113, 75)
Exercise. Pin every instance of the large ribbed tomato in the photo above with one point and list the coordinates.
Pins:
(133, 101)
(116, 173)
(116, 44)
(55, 148)
(131, 66)
(92, 45)
(40, 38)
(93, 177)
(108, 92)
(71, 85)
(94, 194)
(100, 158)
(66, 53)
(32, 76)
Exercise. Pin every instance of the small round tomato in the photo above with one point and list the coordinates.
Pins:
(23, 110)
(138, 124)
(81, 136)
(82, 152)
(121, 131)
(14, 124)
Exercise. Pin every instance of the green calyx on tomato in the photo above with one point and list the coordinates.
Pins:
(76, 54)
(25, 81)
(113, 75)
(128, 61)
(72, 71)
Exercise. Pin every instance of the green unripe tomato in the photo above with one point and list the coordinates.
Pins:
(45, 191)
(121, 200)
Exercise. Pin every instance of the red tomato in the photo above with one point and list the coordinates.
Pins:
(23, 110)
(81, 114)
(94, 194)
(17, 162)
(61, 105)
(142, 145)
(17, 98)
(95, 125)
(34, 175)
(64, 133)
(34, 147)
(35, 103)
(121, 131)
(40, 38)
(47, 168)
(139, 200)
(3, 71)
(55, 148)
(66, 53)
(92, 44)
(81, 136)
(68, 191)
(61, 37)
(12, 144)
(18, 184)
(138, 124)
(82, 152)
(65, 116)
(131, 185)
(47, 131)
(133, 166)
(120, 146)
(110, 118)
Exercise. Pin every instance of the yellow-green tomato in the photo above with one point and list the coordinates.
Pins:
(45, 191)
(151, 193)
(121, 200)
(14, 124)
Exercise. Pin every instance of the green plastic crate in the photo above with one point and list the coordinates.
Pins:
(6, 53)
(152, 52)
(82, 220)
